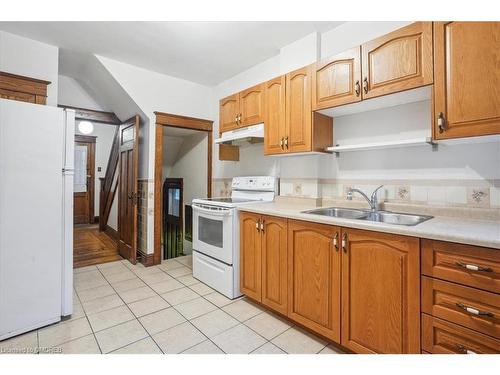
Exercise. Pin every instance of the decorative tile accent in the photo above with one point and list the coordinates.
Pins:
(403, 193)
(478, 197)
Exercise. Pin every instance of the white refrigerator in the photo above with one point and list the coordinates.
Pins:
(36, 215)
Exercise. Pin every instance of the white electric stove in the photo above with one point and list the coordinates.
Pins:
(216, 242)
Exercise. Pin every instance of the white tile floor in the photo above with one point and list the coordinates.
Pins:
(125, 308)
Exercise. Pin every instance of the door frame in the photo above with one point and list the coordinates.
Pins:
(163, 120)
(91, 140)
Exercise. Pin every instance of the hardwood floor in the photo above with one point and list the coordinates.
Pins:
(93, 247)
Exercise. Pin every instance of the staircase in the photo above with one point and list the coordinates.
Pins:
(109, 183)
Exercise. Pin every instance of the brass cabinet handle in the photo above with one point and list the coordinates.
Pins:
(441, 122)
(344, 242)
(365, 85)
(462, 349)
(281, 143)
(286, 142)
(336, 241)
(473, 310)
(239, 118)
(357, 89)
(257, 225)
(262, 226)
(474, 267)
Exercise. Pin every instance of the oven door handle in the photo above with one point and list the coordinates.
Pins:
(222, 212)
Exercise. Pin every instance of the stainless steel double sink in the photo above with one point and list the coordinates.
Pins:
(367, 215)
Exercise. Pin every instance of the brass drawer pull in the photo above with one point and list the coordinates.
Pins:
(357, 89)
(262, 226)
(365, 85)
(474, 311)
(286, 142)
(344, 242)
(281, 143)
(462, 349)
(257, 225)
(474, 267)
(336, 241)
(441, 122)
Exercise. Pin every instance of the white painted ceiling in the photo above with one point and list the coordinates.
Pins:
(172, 131)
(203, 52)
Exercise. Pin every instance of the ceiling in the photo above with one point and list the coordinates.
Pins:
(203, 52)
(172, 131)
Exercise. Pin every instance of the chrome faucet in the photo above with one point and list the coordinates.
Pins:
(373, 201)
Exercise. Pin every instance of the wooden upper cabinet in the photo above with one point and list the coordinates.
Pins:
(467, 79)
(274, 115)
(250, 255)
(24, 89)
(314, 277)
(298, 110)
(380, 293)
(252, 106)
(274, 263)
(229, 110)
(398, 61)
(337, 80)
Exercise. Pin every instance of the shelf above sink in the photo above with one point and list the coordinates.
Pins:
(397, 143)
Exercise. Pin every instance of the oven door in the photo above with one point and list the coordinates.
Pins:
(213, 231)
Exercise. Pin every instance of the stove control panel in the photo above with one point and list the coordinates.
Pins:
(257, 183)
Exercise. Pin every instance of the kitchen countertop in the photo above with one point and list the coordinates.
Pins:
(466, 231)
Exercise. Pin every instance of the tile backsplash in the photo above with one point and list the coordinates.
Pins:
(449, 193)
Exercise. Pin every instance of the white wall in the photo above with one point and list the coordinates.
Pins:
(158, 92)
(71, 93)
(30, 58)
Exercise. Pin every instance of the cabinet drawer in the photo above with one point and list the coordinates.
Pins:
(442, 337)
(474, 266)
(469, 307)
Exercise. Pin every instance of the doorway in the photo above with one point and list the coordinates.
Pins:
(172, 218)
(84, 180)
(198, 135)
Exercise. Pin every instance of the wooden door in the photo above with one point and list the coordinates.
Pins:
(252, 106)
(83, 196)
(467, 79)
(228, 113)
(337, 80)
(274, 118)
(398, 61)
(274, 263)
(298, 110)
(314, 268)
(380, 292)
(250, 255)
(127, 196)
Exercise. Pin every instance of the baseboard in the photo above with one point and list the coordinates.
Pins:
(146, 259)
(112, 232)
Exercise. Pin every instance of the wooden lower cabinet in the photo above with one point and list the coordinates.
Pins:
(314, 277)
(263, 260)
(358, 288)
(442, 337)
(274, 263)
(250, 255)
(380, 292)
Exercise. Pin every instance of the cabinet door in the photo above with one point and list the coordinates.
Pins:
(467, 79)
(274, 263)
(298, 110)
(314, 277)
(229, 110)
(274, 118)
(398, 61)
(252, 106)
(250, 255)
(380, 293)
(337, 80)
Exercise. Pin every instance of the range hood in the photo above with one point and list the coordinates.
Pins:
(250, 134)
